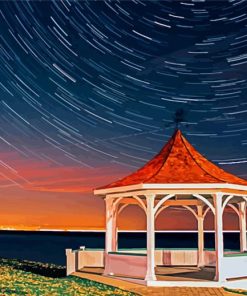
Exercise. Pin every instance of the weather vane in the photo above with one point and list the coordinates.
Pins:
(179, 117)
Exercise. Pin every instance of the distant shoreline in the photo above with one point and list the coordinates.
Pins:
(120, 231)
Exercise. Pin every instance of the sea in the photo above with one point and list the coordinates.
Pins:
(49, 246)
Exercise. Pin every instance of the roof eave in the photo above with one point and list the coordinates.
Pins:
(178, 186)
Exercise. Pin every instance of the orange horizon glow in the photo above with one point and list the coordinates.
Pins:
(38, 195)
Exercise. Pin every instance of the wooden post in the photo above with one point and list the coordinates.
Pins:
(70, 261)
(219, 241)
(150, 276)
(200, 222)
(242, 226)
(109, 225)
(110, 237)
(114, 231)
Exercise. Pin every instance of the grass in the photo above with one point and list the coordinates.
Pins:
(31, 278)
(236, 291)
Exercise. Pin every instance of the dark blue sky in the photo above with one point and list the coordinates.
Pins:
(96, 84)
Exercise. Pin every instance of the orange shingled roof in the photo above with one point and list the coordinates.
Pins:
(178, 162)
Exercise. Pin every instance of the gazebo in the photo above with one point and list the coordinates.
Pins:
(177, 176)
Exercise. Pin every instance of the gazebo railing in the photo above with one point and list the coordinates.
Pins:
(78, 259)
(235, 265)
(113, 262)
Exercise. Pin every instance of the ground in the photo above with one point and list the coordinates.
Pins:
(19, 278)
(32, 278)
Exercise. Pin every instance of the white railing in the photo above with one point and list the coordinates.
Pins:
(131, 265)
(183, 257)
(234, 266)
(78, 259)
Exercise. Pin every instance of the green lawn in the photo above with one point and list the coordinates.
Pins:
(31, 278)
(236, 291)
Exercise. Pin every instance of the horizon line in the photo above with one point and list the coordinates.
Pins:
(119, 231)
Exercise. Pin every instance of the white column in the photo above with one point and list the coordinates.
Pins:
(150, 276)
(200, 221)
(242, 226)
(110, 237)
(219, 241)
(109, 234)
(114, 231)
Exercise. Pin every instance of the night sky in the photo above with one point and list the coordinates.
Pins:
(91, 90)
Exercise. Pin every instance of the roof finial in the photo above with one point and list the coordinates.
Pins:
(178, 117)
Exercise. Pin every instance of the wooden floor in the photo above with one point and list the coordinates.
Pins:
(95, 274)
(164, 273)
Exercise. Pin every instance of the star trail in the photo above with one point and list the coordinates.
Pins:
(95, 86)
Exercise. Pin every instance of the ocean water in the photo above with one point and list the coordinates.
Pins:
(50, 246)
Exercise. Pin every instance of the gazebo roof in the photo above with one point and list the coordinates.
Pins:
(178, 163)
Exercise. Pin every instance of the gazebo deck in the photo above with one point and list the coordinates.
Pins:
(184, 273)
(170, 273)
